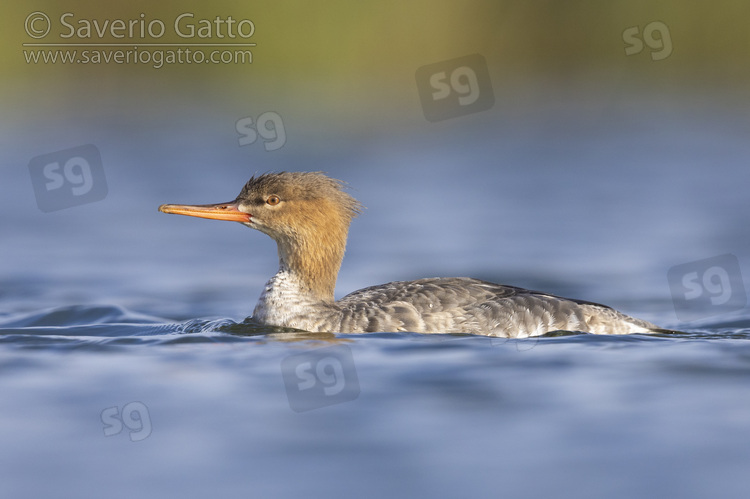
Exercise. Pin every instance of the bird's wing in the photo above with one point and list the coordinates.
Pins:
(464, 305)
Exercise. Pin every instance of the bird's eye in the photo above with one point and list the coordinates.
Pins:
(273, 200)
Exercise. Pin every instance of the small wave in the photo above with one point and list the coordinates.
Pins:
(78, 315)
(104, 326)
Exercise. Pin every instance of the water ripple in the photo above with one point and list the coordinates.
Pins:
(100, 327)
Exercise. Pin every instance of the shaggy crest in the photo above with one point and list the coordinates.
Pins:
(304, 186)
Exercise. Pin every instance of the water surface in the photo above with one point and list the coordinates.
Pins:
(129, 368)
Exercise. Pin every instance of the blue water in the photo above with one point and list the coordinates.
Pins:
(129, 367)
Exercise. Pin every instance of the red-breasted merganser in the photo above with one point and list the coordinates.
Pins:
(308, 215)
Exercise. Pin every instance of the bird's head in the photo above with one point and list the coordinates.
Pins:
(307, 213)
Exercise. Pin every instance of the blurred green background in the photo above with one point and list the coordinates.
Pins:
(355, 61)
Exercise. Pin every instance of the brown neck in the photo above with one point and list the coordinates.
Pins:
(314, 253)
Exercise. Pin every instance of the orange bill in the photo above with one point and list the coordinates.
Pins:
(221, 211)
